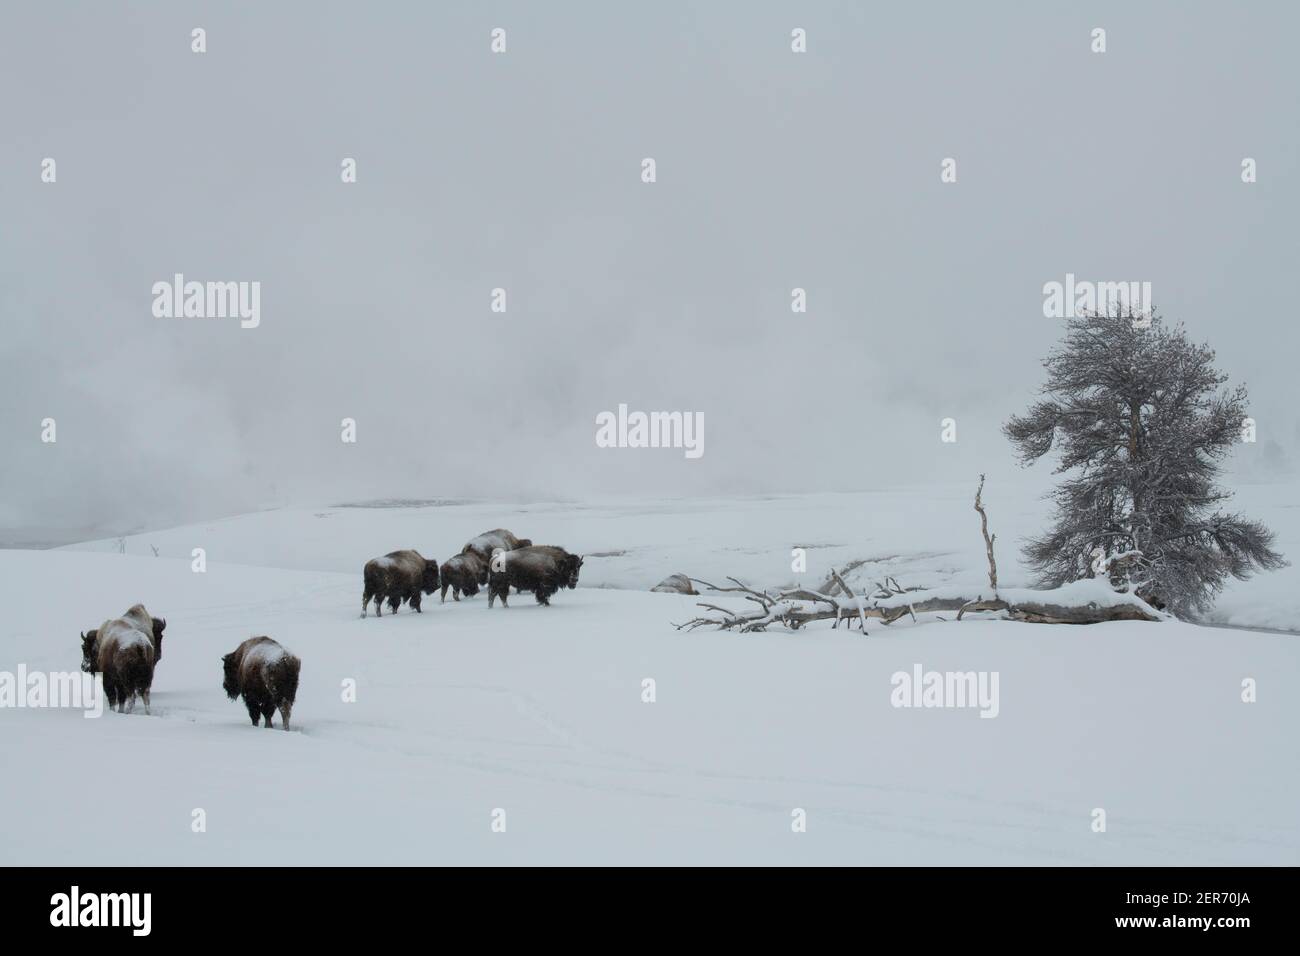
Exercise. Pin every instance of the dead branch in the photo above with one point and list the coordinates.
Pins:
(977, 605)
(797, 607)
(829, 585)
(988, 541)
(836, 601)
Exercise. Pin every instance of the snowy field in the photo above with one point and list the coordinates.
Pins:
(923, 535)
(538, 711)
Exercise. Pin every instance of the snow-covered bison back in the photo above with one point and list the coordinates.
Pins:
(484, 544)
(396, 577)
(124, 650)
(266, 674)
(542, 569)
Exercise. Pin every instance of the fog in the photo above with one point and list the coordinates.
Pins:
(522, 171)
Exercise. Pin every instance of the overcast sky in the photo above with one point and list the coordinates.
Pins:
(523, 170)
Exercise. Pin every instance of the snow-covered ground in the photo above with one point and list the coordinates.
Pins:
(927, 535)
(461, 711)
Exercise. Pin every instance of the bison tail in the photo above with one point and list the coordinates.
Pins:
(286, 679)
(135, 673)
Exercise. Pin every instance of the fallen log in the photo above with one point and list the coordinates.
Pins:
(1087, 601)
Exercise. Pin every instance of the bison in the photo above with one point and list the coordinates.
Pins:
(489, 541)
(266, 674)
(463, 573)
(542, 569)
(397, 577)
(125, 650)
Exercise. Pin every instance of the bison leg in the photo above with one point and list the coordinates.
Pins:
(285, 710)
(379, 605)
(254, 712)
(443, 599)
(268, 711)
(543, 596)
(365, 602)
(414, 601)
(394, 603)
(144, 695)
(455, 594)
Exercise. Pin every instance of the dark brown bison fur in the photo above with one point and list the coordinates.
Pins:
(542, 569)
(266, 674)
(463, 573)
(489, 541)
(570, 564)
(159, 625)
(124, 650)
(396, 577)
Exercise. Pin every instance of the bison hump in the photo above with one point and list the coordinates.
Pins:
(267, 651)
(139, 618)
(404, 561)
(119, 637)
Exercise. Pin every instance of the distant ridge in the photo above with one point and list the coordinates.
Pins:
(409, 503)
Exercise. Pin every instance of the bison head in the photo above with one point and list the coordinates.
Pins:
(575, 565)
(230, 675)
(89, 650)
(429, 579)
(159, 625)
(525, 543)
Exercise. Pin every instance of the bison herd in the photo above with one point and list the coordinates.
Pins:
(125, 650)
(495, 559)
